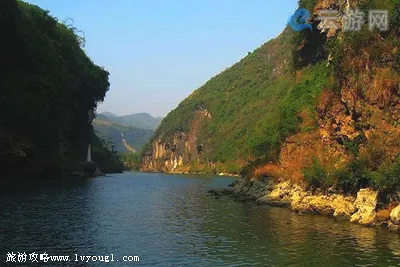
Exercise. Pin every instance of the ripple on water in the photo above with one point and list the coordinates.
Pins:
(168, 220)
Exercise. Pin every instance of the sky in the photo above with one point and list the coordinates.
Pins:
(159, 51)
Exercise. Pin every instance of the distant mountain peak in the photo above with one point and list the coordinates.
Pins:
(141, 120)
(108, 114)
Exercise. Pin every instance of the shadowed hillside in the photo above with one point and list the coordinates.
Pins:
(49, 90)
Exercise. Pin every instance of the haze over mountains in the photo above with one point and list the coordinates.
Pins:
(127, 133)
(139, 120)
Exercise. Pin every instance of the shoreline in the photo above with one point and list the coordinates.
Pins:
(361, 209)
(222, 174)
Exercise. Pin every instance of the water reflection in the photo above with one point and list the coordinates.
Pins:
(170, 221)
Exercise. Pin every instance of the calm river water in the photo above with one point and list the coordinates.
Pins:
(168, 220)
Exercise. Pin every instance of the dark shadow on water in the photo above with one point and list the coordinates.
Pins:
(169, 220)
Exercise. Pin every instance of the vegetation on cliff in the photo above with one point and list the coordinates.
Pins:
(319, 106)
(124, 138)
(49, 88)
(366, 66)
(254, 106)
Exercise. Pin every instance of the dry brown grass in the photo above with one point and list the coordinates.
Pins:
(270, 170)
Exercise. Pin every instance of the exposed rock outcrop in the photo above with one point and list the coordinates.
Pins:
(352, 122)
(366, 202)
(174, 155)
(360, 209)
(395, 215)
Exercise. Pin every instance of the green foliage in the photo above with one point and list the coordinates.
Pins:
(131, 160)
(48, 86)
(308, 4)
(395, 16)
(108, 160)
(387, 178)
(357, 174)
(303, 96)
(351, 147)
(316, 176)
(254, 105)
(354, 176)
(111, 132)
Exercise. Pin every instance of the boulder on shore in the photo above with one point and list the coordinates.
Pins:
(395, 215)
(366, 202)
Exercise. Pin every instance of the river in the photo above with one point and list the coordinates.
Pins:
(168, 220)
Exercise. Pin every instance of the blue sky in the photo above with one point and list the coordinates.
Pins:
(159, 51)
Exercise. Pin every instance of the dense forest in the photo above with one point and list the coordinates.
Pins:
(319, 106)
(50, 89)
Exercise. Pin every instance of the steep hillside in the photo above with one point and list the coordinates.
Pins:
(49, 90)
(241, 115)
(320, 105)
(138, 120)
(123, 138)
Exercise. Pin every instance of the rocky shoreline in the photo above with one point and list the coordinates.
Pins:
(362, 209)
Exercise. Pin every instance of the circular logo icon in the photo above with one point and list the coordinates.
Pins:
(298, 21)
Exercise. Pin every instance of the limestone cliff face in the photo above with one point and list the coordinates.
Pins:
(364, 109)
(217, 128)
(176, 154)
(355, 114)
(362, 208)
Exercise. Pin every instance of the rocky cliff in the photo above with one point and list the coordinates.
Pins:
(320, 108)
(182, 150)
(220, 126)
(362, 208)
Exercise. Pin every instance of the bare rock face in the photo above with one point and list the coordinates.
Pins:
(278, 195)
(318, 204)
(360, 209)
(395, 215)
(300, 200)
(343, 206)
(365, 204)
(333, 205)
(175, 153)
(393, 227)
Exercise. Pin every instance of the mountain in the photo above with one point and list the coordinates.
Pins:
(122, 137)
(108, 114)
(49, 89)
(139, 120)
(318, 106)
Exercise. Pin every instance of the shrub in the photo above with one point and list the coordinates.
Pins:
(387, 179)
(351, 147)
(316, 176)
(353, 177)
(108, 161)
(131, 160)
(374, 154)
